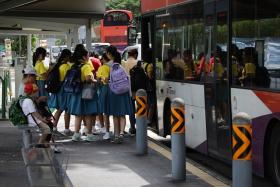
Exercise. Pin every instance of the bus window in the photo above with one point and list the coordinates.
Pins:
(256, 45)
(179, 44)
(116, 18)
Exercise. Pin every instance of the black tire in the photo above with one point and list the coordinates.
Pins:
(274, 155)
(167, 117)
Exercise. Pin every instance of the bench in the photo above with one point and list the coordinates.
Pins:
(42, 167)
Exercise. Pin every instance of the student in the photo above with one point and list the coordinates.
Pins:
(83, 109)
(29, 76)
(33, 116)
(151, 93)
(60, 100)
(38, 63)
(189, 67)
(128, 65)
(102, 75)
(119, 105)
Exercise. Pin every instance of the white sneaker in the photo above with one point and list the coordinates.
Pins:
(91, 138)
(76, 137)
(84, 131)
(106, 136)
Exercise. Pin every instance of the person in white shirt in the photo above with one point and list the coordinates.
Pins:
(34, 118)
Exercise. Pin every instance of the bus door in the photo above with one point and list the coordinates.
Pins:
(147, 36)
(215, 78)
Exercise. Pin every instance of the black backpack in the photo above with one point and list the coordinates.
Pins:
(52, 82)
(138, 77)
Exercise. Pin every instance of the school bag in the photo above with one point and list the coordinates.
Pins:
(138, 77)
(52, 83)
(16, 115)
(72, 82)
(119, 81)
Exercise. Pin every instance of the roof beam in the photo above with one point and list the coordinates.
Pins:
(11, 4)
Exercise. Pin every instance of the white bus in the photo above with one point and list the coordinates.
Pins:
(220, 61)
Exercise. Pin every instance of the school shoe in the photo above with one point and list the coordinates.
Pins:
(132, 131)
(121, 137)
(91, 138)
(76, 137)
(68, 132)
(84, 131)
(117, 140)
(106, 136)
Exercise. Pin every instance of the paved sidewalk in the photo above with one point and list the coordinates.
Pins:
(103, 163)
(12, 170)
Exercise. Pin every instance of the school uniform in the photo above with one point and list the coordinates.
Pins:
(40, 70)
(79, 106)
(60, 99)
(118, 104)
(103, 73)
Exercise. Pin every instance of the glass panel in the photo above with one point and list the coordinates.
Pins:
(179, 43)
(256, 44)
(116, 18)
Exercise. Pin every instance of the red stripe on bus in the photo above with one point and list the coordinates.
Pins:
(271, 100)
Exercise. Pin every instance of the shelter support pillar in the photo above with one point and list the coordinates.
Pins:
(88, 35)
(29, 49)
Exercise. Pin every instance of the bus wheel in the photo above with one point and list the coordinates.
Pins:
(166, 117)
(274, 155)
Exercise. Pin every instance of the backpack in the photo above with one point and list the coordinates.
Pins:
(138, 77)
(119, 80)
(16, 115)
(72, 82)
(52, 82)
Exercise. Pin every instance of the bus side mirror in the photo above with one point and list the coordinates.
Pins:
(131, 34)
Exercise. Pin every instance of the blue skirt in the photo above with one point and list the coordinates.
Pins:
(42, 90)
(79, 106)
(119, 104)
(103, 99)
(59, 100)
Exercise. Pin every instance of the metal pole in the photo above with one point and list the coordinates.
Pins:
(141, 122)
(88, 35)
(242, 150)
(178, 139)
(29, 49)
(4, 95)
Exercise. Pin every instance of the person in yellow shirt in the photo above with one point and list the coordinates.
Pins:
(151, 93)
(60, 100)
(189, 66)
(81, 108)
(38, 63)
(103, 75)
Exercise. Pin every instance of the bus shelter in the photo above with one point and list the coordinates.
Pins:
(49, 17)
(25, 17)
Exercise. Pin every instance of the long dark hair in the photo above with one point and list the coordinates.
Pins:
(114, 52)
(105, 57)
(79, 53)
(39, 51)
(148, 55)
(65, 53)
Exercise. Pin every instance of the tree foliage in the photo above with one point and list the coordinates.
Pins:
(132, 5)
